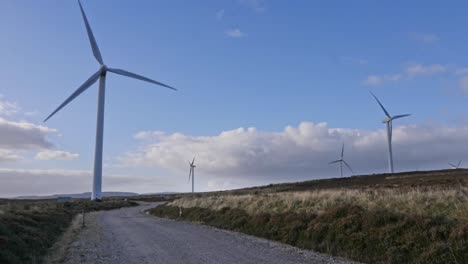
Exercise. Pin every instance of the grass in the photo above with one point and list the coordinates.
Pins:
(402, 218)
(29, 228)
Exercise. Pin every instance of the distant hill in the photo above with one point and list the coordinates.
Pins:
(76, 195)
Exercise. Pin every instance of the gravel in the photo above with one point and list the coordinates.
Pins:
(128, 235)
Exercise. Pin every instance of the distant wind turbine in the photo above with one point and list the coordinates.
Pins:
(455, 166)
(192, 173)
(101, 76)
(388, 121)
(341, 161)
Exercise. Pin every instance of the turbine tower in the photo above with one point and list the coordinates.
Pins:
(101, 76)
(341, 161)
(389, 121)
(455, 166)
(192, 172)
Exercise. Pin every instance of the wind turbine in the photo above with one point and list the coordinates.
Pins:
(101, 76)
(455, 166)
(388, 121)
(192, 172)
(341, 161)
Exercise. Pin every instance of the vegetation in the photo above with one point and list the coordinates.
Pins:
(402, 218)
(29, 228)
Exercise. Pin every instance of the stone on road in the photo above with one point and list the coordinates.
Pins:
(129, 236)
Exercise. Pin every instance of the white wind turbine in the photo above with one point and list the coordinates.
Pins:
(101, 76)
(388, 121)
(341, 161)
(192, 172)
(455, 166)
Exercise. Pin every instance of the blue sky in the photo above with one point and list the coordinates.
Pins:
(240, 63)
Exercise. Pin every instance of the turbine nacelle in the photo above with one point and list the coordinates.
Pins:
(387, 120)
(103, 69)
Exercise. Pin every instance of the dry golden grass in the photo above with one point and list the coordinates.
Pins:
(450, 202)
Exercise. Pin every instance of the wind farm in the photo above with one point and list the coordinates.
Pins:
(290, 114)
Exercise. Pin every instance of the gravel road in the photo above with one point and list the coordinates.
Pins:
(128, 235)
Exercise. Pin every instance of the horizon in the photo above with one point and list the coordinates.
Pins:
(268, 92)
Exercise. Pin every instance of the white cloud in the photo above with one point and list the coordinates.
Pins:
(300, 152)
(419, 69)
(410, 72)
(8, 108)
(9, 156)
(220, 14)
(56, 155)
(255, 5)
(235, 33)
(375, 80)
(426, 38)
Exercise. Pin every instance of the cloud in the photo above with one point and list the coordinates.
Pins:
(56, 155)
(235, 33)
(420, 69)
(426, 38)
(9, 156)
(410, 72)
(220, 14)
(8, 108)
(255, 5)
(24, 135)
(375, 80)
(299, 152)
(15, 182)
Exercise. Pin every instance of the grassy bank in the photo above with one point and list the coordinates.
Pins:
(29, 228)
(384, 225)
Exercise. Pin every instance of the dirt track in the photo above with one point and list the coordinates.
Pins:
(128, 236)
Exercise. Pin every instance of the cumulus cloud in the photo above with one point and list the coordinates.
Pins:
(299, 152)
(56, 155)
(24, 135)
(235, 33)
(8, 108)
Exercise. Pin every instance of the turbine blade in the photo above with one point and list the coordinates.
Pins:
(139, 77)
(193, 161)
(459, 163)
(190, 174)
(452, 165)
(383, 108)
(81, 89)
(348, 166)
(400, 116)
(334, 161)
(92, 40)
(342, 151)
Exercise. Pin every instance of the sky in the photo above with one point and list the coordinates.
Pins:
(268, 91)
